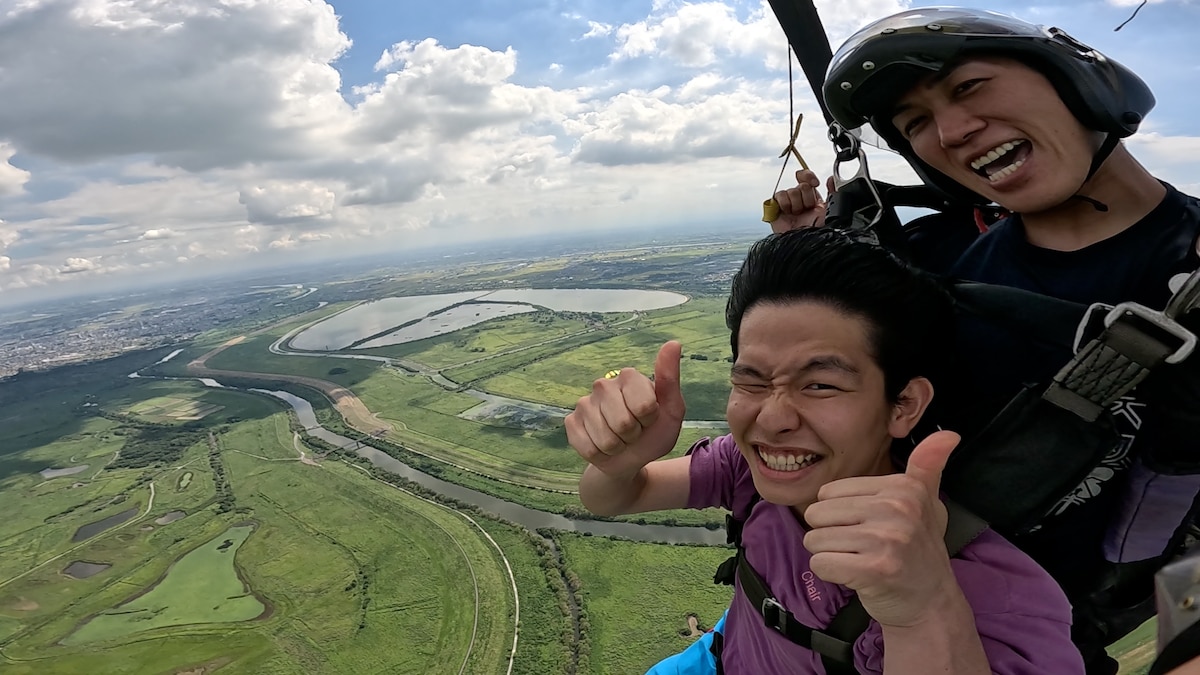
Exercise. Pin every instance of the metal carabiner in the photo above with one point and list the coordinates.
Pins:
(855, 206)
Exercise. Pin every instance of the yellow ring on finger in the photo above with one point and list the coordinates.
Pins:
(611, 374)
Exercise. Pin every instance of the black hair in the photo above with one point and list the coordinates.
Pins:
(910, 314)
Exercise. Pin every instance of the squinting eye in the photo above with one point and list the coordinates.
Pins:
(821, 386)
(966, 85)
(912, 126)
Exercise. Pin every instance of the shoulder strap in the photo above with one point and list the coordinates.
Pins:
(835, 643)
(727, 571)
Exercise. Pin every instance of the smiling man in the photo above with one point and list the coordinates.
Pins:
(836, 344)
(991, 109)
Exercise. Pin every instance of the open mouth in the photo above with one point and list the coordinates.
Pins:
(787, 462)
(1001, 161)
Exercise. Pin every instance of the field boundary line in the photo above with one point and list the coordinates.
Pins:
(508, 567)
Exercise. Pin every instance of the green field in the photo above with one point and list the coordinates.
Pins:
(201, 587)
(638, 596)
(361, 577)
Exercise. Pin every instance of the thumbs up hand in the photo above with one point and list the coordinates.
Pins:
(629, 421)
(883, 536)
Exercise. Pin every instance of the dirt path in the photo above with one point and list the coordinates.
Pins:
(350, 406)
(304, 459)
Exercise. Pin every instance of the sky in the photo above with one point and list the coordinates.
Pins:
(147, 140)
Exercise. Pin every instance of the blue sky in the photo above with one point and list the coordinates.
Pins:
(142, 139)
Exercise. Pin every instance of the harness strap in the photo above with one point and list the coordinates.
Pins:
(1134, 341)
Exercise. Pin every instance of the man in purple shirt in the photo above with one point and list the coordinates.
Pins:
(835, 344)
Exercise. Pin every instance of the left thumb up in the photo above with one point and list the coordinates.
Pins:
(929, 458)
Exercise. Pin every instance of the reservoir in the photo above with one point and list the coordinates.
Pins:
(398, 320)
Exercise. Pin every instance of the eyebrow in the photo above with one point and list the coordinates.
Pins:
(824, 363)
(930, 81)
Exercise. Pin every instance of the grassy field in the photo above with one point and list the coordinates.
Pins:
(484, 340)
(637, 597)
(361, 577)
(561, 378)
(1135, 652)
(201, 587)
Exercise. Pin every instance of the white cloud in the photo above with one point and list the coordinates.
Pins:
(74, 265)
(279, 202)
(12, 179)
(596, 29)
(198, 83)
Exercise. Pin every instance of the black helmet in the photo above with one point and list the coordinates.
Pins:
(882, 61)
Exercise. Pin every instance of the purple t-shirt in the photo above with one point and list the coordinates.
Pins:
(1022, 616)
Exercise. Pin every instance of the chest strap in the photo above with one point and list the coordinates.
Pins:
(835, 643)
(1115, 347)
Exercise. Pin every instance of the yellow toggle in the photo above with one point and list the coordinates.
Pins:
(771, 211)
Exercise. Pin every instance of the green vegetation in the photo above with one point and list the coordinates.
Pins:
(1135, 652)
(362, 577)
(637, 597)
(344, 572)
(202, 587)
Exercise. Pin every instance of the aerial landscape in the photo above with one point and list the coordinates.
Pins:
(237, 501)
(310, 491)
(295, 296)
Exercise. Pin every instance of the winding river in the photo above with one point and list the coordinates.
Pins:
(530, 518)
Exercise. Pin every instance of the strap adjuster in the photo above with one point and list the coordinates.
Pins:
(1187, 339)
(774, 615)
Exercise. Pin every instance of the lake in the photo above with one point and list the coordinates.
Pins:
(421, 316)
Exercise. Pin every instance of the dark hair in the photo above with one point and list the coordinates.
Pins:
(911, 316)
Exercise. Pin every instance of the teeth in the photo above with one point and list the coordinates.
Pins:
(788, 462)
(993, 154)
(1006, 171)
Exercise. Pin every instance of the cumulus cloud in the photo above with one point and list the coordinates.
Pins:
(76, 265)
(199, 84)
(278, 202)
(154, 134)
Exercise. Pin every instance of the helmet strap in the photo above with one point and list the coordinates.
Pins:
(1106, 149)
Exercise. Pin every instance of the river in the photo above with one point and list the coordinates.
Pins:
(530, 518)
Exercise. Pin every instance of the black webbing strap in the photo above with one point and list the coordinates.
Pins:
(1134, 341)
(1130, 340)
(835, 643)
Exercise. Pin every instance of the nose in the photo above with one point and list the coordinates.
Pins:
(956, 125)
(779, 414)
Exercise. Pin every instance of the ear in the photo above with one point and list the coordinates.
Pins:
(909, 407)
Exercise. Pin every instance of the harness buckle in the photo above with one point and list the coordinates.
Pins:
(774, 615)
(1161, 320)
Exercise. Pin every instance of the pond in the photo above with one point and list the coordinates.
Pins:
(92, 529)
(421, 316)
(168, 518)
(47, 474)
(81, 569)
